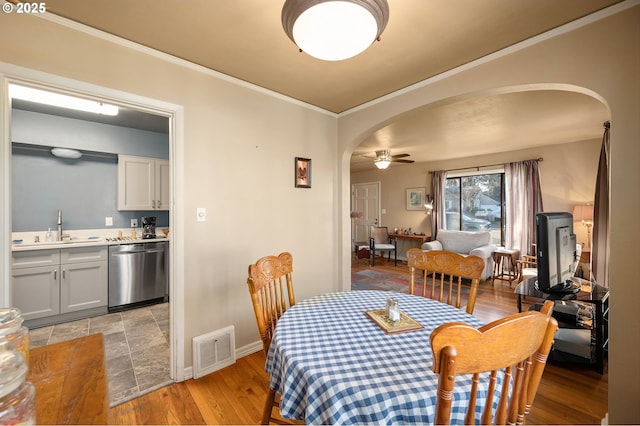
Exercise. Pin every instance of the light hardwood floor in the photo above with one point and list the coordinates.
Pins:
(568, 393)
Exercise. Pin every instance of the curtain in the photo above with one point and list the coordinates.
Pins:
(523, 201)
(438, 181)
(600, 246)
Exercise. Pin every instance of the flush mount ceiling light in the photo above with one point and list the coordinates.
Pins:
(59, 100)
(333, 30)
(66, 153)
(383, 159)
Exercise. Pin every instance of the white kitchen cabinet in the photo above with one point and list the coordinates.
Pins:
(57, 285)
(143, 183)
(84, 278)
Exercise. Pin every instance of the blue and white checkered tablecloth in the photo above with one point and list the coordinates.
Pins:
(333, 365)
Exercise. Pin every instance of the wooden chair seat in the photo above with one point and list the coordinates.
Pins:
(440, 269)
(517, 346)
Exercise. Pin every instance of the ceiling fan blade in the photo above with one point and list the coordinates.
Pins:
(394, 160)
(400, 155)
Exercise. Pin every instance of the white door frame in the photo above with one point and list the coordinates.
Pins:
(19, 75)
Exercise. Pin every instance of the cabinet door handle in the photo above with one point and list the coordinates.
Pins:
(55, 275)
(64, 274)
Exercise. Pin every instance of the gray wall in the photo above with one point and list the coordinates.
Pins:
(84, 189)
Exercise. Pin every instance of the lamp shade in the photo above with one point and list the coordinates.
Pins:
(583, 212)
(333, 30)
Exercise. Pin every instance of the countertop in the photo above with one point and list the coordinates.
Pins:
(25, 241)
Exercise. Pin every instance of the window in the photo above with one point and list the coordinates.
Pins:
(475, 203)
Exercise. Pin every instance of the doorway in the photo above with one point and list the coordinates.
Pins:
(365, 210)
(172, 114)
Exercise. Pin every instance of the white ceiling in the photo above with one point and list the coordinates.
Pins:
(245, 39)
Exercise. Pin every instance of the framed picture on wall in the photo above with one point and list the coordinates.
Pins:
(415, 198)
(302, 172)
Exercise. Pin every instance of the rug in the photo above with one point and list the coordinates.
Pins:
(371, 279)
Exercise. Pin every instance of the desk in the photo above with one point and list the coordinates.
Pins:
(593, 294)
(333, 365)
(419, 238)
(70, 381)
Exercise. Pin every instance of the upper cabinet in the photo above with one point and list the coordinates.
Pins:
(143, 183)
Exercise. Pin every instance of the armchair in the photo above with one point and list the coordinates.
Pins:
(465, 243)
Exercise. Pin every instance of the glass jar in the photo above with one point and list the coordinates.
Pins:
(13, 335)
(17, 396)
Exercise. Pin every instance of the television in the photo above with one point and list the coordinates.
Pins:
(556, 252)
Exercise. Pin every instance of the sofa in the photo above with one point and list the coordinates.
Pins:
(465, 243)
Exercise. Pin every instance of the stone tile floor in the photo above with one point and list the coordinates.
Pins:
(136, 344)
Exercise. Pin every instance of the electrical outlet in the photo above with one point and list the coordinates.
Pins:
(201, 214)
(134, 223)
(108, 221)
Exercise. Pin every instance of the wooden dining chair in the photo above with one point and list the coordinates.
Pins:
(441, 269)
(271, 288)
(517, 346)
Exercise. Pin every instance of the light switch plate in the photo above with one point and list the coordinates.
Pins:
(201, 214)
(108, 221)
(134, 223)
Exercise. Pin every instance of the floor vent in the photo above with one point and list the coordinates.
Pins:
(213, 351)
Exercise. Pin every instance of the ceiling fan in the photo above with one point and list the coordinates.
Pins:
(384, 158)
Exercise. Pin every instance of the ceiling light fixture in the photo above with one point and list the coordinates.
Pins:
(64, 101)
(66, 153)
(333, 30)
(383, 159)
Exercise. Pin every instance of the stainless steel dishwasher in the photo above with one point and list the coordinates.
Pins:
(138, 274)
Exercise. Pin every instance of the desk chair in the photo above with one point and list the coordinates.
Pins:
(440, 267)
(517, 345)
(379, 241)
(271, 289)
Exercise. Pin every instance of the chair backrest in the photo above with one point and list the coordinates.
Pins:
(440, 269)
(517, 345)
(271, 288)
(380, 234)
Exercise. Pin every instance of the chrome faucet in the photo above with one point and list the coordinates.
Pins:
(59, 225)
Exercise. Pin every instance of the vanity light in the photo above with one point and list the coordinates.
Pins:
(66, 153)
(59, 100)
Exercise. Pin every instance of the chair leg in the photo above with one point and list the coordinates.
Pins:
(268, 407)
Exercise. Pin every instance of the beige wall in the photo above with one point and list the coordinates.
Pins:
(601, 59)
(237, 160)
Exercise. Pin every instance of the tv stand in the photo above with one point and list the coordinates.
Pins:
(589, 294)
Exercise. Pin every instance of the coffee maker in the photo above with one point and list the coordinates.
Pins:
(148, 227)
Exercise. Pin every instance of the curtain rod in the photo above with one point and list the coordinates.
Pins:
(539, 159)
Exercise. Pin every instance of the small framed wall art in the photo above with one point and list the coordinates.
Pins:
(415, 198)
(302, 172)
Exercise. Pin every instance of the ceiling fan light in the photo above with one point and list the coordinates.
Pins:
(333, 30)
(382, 164)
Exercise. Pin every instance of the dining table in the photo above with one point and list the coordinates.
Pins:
(332, 363)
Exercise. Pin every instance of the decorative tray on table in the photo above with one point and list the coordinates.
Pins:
(405, 323)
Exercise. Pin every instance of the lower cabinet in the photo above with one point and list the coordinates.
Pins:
(60, 284)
